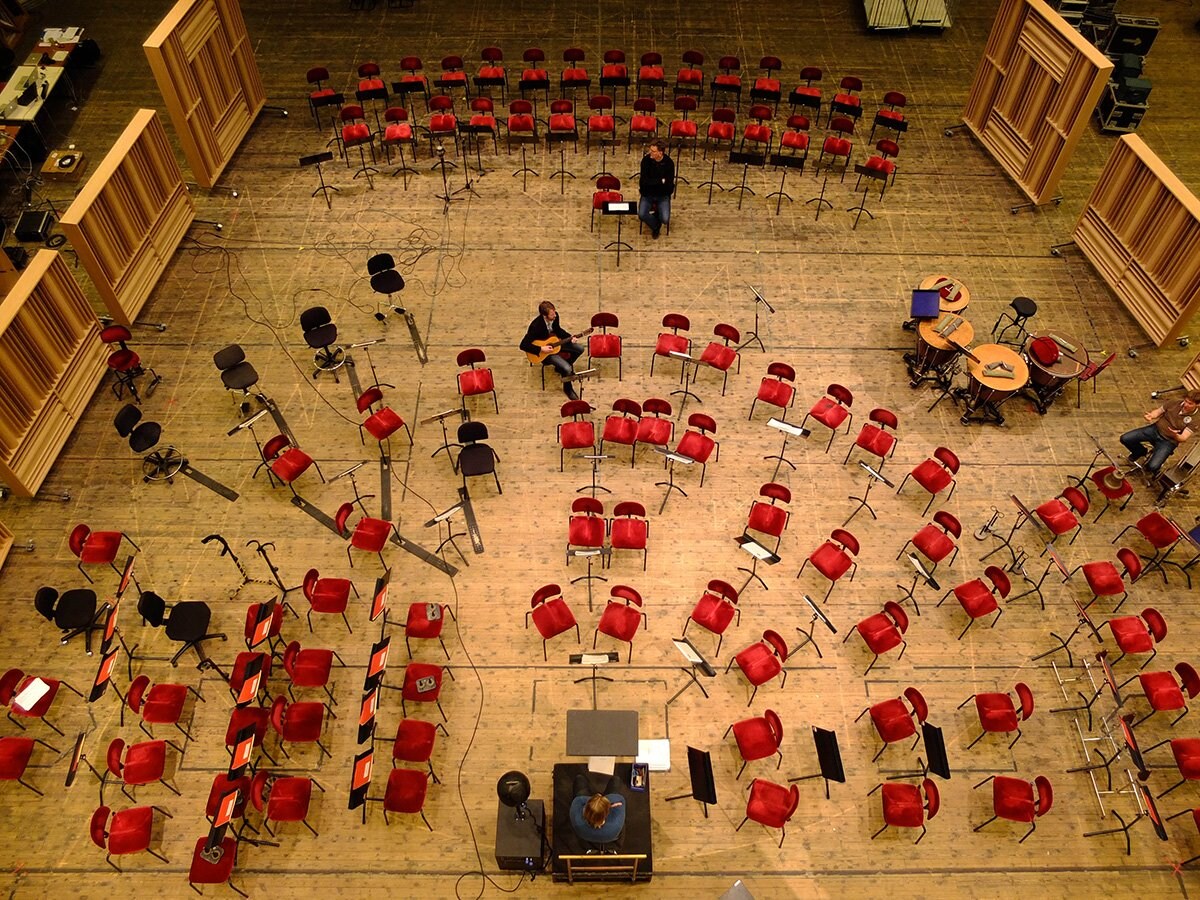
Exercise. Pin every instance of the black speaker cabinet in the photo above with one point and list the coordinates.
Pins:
(519, 844)
(1132, 34)
(34, 226)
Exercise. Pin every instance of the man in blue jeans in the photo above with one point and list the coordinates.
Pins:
(1170, 425)
(656, 184)
(598, 820)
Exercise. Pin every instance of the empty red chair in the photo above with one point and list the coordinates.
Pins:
(414, 743)
(614, 73)
(806, 95)
(875, 438)
(936, 540)
(757, 738)
(405, 793)
(443, 123)
(758, 133)
(776, 389)
(714, 610)
(721, 355)
(895, 720)
(834, 558)
(96, 547)
(602, 124)
(629, 529)
(1139, 634)
(575, 432)
(767, 518)
(1187, 759)
(656, 427)
(310, 668)
(423, 684)
(728, 81)
(883, 162)
(766, 87)
(608, 190)
(846, 101)
(369, 534)
(550, 614)
(762, 661)
(891, 119)
(622, 427)
(605, 345)
(643, 124)
(283, 799)
(1018, 800)
(586, 525)
(650, 73)
(534, 77)
(999, 715)
(978, 599)
(795, 139)
(672, 341)
(299, 723)
(696, 443)
(15, 753)
(328, 595)
(934, 474)
(162, 704)
(142, 763)
(690, 79)
(382, 423)
(1165, 694)
(1105, 581)
(620, 620)
(1162, 535)
(684, 131)
(285, 462)
(1065, 514)
(128, 831)
(832, 410)
(475, 381)
(719, 135)
(322, 96)
(562, 125)
(521, 125)
(772, 805)
(904, 807)
(491, 72)
(837, 146)
(883, 631)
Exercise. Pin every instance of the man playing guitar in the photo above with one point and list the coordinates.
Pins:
(548, 342)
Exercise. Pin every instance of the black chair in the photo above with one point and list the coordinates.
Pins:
(321, 335)
(476, 458)
(74, 612)
(165, 462)
(236, 373)
(187, 624)
(385, 280)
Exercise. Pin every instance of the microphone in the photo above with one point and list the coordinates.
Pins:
(350, 471)
(247, 423)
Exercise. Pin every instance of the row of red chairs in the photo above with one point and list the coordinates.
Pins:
(552, 616)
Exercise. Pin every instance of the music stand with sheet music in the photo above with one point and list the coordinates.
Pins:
(596, 459)
(368, 707)
(589, 554)
(251, 681)
(785, 161)
(829, 756)
(1084, 621)
(695, 660)
(264, 613)
(686, 360)
(753, 336)
(873, 475)
(241, 752)
(315, 159)
(580, 378)
(360, 781)
(670, 484)
(595, 659)
(444, 517)
(1023, 514)
(789, 431)
(620, 209)
(379, 597)
(812, 624)
(920, 574)
(758, 552)
(377, 663)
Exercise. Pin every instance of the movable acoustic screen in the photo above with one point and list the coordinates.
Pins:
(360, 778)
(103, 675)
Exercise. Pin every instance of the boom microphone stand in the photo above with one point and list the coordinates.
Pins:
(752, 337)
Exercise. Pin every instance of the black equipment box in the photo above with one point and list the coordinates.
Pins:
(1134, 90)
(1132, 34)
(34, 227)
(1117, 117)
(519, 842)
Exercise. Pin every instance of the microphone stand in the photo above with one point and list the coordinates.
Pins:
(446, 196)
(752, 337)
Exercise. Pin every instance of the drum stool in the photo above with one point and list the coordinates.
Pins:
(1023, 309)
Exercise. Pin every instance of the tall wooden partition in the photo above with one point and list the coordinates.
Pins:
(130, 216)
(204, 65)
(1141, 230)
(1033, 94)
(51, 360)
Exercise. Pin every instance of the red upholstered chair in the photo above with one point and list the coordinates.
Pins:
(96, 547)
(656, 427)
(1018, 800)
(614, 73)
(575, 432)
(689, 80)
(423, 684)
(728, 80)
(882, 160)
(475, 381)
(491, 71)
(672, 341)
(204, 871)
(834, 558)
(398, 132)
(1160, 532)
(369, 76)
(161, 704)
(757, 738)
(696, 443)
(714, 610)
(601, 123)
(426, 620)
(683, 130)
(620, 620)
(321, 95)
(894, 719)
(837, 145)
(772, 805)
(414, 743)
(327, 595)
(285, 462)
(605, 345)
(776, 389)
(766, 87)
(355, 132)
(299, 723)
(1139, 634)
(561, 125)
(1165, 694)
(415, 81)
(274, 626)
(586, 525)
(651, 75)
(719, 135)
(1112, 486)
(758, 133)
(795, 139)
(240, 672)
(934, 474)
(453, 77)
(874, 436)
(883, 631)
(128, 831)
(1064, 513)
(310, 668)
(142, 763)
(15, 753)
(891, 119)
(1187, 759)
(832, 410)
(369, 534)
(978, 599)
(405, 793)
(768, 518)
(723, 354)
(550, 614)
(622, 426)
(629, 529)
(999, 715)
(805, 95)
(534, 76)
(14, 681)
(284, 799)
(443, 123)
(846, 101)
(904, 807)
(521, 125)
(762, 661)
(1104, 579)
(608, 190)
(383, 422)
(242, 717)
(936, 540)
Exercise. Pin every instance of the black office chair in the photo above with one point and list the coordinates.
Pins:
(385, 280)
(163, 463)
(187, 624)
(321, 335)
(74, 613)
(236, 373)
(476, 458)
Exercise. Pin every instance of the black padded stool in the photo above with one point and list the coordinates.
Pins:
(1023, 309)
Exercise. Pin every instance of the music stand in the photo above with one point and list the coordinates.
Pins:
(580, 378)
(441, 418)
(670, 484)
(251, 681)
(262, 623)
(878, 175)
(758, 552)
(1146, 810)
(590, 554)
(472, 134)
(446, 196)
(360, 781)
(1109, 681)
(752, 337)
(594, 659)
(829, 755)
(700, 773)
(1055, 562)
(76, 757)
(922, 574)
(812, 624)
(785, 161)
(1023, 514)
(789, 431)
(712, 180)
(241, 752)
(377, 664)
(1084, 621)
(264, 550)
(935, 749)
(367, 709)
(695, 661)
(103, 677)
(822, 168)
(596, 459)
(379, 598)
(873, 475)
(745, 160)
(316, 159)
(686, 360)
(445, 517)
(620, 209)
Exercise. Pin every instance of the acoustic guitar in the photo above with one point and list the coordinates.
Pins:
(555, 343)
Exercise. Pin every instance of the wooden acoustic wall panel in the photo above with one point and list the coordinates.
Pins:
(1141, 230)
(51, 359)
(1033, 94)
(130, 216)
(204, 65)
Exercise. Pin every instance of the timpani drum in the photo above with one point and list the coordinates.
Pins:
(954, 294)
(1049, 379)
(935, 351)
(987, 390)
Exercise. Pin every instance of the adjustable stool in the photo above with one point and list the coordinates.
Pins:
(125, 364)
(1023, 309)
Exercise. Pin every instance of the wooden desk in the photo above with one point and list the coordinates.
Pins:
(59, 51)
(13, 112)
(955, 295)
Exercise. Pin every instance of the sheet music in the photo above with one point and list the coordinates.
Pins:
(787, 428)
(34, 691)
(655, 753)
(594, 659)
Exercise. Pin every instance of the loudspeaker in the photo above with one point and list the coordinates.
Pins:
(1127, 65)
(34, 227)
(519, 844)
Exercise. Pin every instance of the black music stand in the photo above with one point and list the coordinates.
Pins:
(745, 160)
(935, 749)
(752, 337)
(700, 773)
(580, 378)
(445, 517)
(784, 161)
(525, 169)
(473, 133)
(812, 624)
(360, 781)
(1084, 621)
(620, 209)
(1109, 681)
(758, 552)
(441, 418)
(695, 661)
(595, 659)
(1023, 514)
(596, 459)
(1055, 562)
(878, 175)
(789, 431)
(829, 756)
(822, 168)
(921, 574)
(712, 181)
(315, 159)
(447, 196)
(688, 377)
(590, 554)
(1130, 744)
(562, 172)
(670, 484)
(873, 475)
(1146, 810)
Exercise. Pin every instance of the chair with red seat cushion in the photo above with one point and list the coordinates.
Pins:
(1112, 486)
(874, 436)
(936, 540)
(369, 76)
(714, 610)
(299, 723)
(382, 423)
(310, 668)
(882, 161)
(1104, 579)
(426, 620)
(934, 474)
(883, 631)
(550, 614)
(776, 389)
(762, 661)
(356, 132)
(806, 95)
(321, 96)
(255, 717)
(1164, 693)
(772, 805)
(894, 720)
(767, 518)
(128, 831)
(721, 355)
(239, 674)
(728, 81)
(284, 799)
(689, 80)
(795, 139)
(758, 132)
(585, 526)
(369, 534)
(757, 738)
(601, 124)
(520, 126)
(453, 77)
(608, 190)
(142, 763)
(405, 793)
(846, 101)
(162, 704)
(15, 681)
(1018, 800)
(999, 715)
(285, 462)
(978, 599)
(766, 87)
(328, 595)
(482, 121)
(656, 427)
(622, 428)
(672, 341)
(209, 868)
(650, 74)
(614, 73)
(15, 753)
(834, 558)
(832, 410)
(443, 123)
(534, 76)
(222, 784)
(414, 743)
(837, 145)
(96, 547)
(719, 135)
(397, 132)
(415, 81)
(696, 443)
(1187, 759)
(423, 684)
(1139, 634)
(562, 126)
(1064, 513)
(903, 806)
(684, 131)
(576, 432)
(620, 620)
(605, 345)
(1162, 535)
(891, 119)
(475, 381)
(629, 529)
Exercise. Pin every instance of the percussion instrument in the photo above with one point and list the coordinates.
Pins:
(955, 296)
(1047, 380)
(938, 346)
(994, 374)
